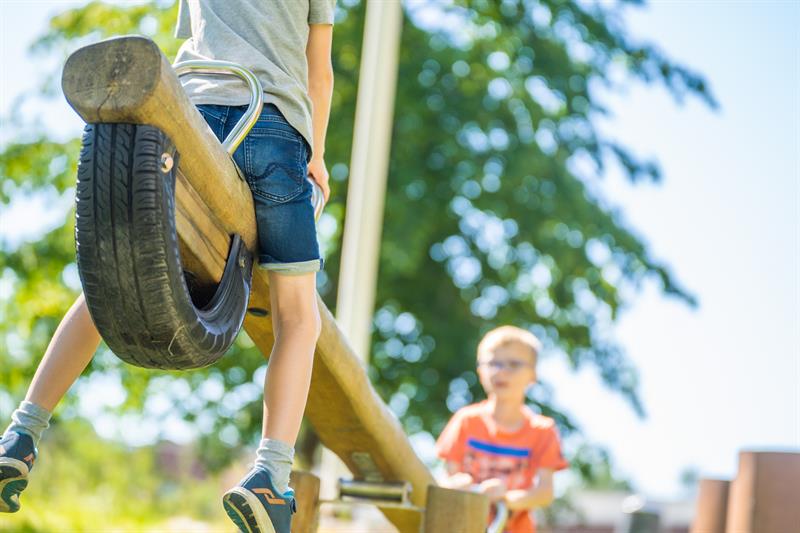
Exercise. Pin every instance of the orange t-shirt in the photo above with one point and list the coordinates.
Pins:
(473, 441)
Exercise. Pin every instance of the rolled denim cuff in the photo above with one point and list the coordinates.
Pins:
(293, 269)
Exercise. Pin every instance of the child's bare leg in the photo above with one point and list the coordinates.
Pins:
(72, 347)
(67, 355)
(296, 323)
(70, 350)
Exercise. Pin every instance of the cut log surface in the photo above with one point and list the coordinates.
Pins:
(459, 511)
(129, 80)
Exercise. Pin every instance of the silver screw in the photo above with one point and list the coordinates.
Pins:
(166, 162)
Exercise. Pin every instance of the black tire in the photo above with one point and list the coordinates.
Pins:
(128, 258)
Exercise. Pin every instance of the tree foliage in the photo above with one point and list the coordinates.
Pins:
(493, 210)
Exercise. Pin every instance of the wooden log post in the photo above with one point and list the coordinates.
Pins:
(129, 80)
(453, 510)
(712, 506)
(306, 491)
(765, 494)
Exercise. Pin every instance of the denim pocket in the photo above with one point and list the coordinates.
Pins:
(274, 163)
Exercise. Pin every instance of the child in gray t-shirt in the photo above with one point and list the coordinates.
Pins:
(266, 36)
(287, 45)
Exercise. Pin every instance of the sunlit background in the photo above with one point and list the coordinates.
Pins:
(714, 379)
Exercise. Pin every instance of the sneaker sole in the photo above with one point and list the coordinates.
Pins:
(13, 480)
(246, 511)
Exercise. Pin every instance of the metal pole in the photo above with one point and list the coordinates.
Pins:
(369, 162)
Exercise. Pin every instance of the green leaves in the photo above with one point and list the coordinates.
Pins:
(98, 20)
(31, 166)
(488, 128)
(492, 211)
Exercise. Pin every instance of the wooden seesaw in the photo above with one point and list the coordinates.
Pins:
(129, 81)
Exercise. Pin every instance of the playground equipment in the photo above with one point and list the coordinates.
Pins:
(500, 518)
(712, 506)
(762, 499)
(135, 285)
(125, 88)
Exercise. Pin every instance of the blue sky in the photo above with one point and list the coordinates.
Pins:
(717, 379)
(725, 376)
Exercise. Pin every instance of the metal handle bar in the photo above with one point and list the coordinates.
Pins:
(250, 116)
(500, 519)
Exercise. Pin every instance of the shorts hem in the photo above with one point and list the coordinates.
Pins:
(293, 269)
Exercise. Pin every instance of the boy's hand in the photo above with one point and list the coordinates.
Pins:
(494, 488)
(515, 497)
(459, 480)
(318, 172)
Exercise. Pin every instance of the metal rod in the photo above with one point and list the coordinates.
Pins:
(382, 504)
(250, 117)
(397, 491)
(500, 519)
(369, 166)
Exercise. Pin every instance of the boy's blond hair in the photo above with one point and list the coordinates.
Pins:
(505, 335)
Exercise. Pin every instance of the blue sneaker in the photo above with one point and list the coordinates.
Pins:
(255, 506)
(17, 454)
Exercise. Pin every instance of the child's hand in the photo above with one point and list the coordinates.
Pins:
(459, 480)
(514, 497)
(494, 488)
(318, 172)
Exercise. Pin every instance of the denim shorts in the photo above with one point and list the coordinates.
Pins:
(274, 159)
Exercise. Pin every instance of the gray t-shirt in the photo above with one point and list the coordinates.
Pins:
(268, 37)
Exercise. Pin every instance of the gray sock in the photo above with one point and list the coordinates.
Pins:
(276, 457)
(31, 419)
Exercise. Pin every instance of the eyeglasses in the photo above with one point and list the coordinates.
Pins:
(511, 366)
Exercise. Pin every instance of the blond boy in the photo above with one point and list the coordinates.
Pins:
(499, 447)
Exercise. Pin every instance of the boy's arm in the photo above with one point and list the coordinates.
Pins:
(539, 495)
(494, 488)
(320, 90)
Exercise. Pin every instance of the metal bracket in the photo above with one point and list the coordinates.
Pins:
(392, 494)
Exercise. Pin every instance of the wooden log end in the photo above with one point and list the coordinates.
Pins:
(105, 81)
(455, 510)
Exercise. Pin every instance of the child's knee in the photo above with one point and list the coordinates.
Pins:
(304, 323)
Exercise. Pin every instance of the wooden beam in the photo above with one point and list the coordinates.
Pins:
(765, 494)
(306, 492)
(129, 80)
(712, 506)
(455, 510)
